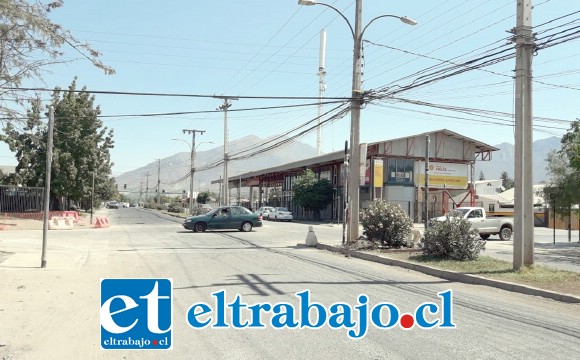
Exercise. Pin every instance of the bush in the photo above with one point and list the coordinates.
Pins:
(452, 239)
(175, 208)
(386, 223)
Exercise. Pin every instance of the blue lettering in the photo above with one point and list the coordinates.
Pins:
(220, 299)
(341, 316)
(192, 315)
(447, 309)
(363, 325)
(257, 314)
(306, 306)
(237, 306)
(420, 315)
(285, 311)
(377, 312)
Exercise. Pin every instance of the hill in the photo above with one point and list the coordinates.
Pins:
(503, 160)
(173, 170)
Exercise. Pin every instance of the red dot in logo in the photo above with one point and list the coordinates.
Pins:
(154, 342)
(407, 321)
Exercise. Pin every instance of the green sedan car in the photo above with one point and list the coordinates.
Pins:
(224, 218)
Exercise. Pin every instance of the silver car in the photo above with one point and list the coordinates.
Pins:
(264, 211)
(280, 214)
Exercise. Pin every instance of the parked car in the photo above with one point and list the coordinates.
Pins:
(112, 205)
(485, 225)
(280, 214)
(222, 218)
(264, 211)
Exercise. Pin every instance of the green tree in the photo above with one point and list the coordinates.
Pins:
(506, 181)
(481, 175)
(205, 197)
(564, 170)
(80, 148)
(30, 42)
(312, 193)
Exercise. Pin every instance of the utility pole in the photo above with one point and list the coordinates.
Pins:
(192, 165)
(427, 141)
(321, 88)
(140, 191)
(523, 252)
(147, 189)
(356, 104)
(220, 191)
(93, 198)
(159, 181)
(47, 185)
(226, 105)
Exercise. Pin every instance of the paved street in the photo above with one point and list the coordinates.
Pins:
(53, 312)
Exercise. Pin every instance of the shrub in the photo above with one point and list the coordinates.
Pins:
(452, 239)
(175, 208)
(386, 223)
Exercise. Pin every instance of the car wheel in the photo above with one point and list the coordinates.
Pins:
(247, 226)
(484, 236)
(505, 233)
(199, 227)
(276, 218)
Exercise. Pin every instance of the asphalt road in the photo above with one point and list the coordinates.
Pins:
(53, 313)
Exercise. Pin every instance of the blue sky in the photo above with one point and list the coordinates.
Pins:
(271, 48)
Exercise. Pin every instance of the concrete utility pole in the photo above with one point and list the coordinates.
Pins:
(140, 191)
(93, 198)
(147, 189)
(47, 185)
(192, 201)
(321, 88)
(523, 253)
(159, 181)
(427, 141)
(226, 105)
(356, 104)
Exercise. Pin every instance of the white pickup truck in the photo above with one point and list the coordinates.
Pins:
(486, 226)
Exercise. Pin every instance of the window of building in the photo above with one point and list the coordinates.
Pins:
(400, 171)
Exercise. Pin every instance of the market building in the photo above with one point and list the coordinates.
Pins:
(394, 170)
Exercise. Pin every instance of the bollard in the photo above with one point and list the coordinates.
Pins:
(311, 237)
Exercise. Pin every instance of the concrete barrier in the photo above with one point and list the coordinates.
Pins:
(101, 222)
(72, 214)
(60, 223)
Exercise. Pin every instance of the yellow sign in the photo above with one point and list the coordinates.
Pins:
(452, 182)
(378, 172)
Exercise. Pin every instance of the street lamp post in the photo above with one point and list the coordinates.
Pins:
(357, 100)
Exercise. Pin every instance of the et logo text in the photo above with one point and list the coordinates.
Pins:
(136, 314)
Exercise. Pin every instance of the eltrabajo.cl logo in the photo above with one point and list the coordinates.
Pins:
(136, 314)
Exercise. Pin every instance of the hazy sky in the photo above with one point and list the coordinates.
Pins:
(271, 48)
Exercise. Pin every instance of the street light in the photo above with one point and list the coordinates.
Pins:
(192, 169)
(356, 104)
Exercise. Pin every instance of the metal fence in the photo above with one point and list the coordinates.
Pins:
(15, 199)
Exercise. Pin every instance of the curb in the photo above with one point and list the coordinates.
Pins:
(455, 276)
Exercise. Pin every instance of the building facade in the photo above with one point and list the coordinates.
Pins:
(394, 170)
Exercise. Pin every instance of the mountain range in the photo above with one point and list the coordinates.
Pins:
(173, 170)
(503, 160)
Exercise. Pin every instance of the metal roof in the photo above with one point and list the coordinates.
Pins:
(339, 155)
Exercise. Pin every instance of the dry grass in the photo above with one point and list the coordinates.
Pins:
(537, 276)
